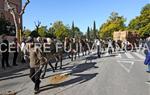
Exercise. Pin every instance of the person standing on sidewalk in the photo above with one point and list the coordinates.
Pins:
(16, 52)
(5, 51)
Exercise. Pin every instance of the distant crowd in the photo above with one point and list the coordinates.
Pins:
(41, 52)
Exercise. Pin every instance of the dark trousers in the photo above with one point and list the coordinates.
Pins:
(5, 57)
(98, 51)
(35, 78)
(58, 58)
(45, 68)
(15, 58)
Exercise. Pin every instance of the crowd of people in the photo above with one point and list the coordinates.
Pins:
(41, 52)
(5, 52)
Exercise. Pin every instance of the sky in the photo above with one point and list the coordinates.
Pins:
(82, 12)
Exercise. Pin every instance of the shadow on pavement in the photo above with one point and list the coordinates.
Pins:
(84, 67)
(13, 76)
(80, 68)
(81, 78)
(12, 72)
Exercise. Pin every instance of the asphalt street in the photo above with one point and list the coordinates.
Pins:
(116, 74)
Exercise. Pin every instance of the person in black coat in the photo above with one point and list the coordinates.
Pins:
(15, 52)
(5, 51)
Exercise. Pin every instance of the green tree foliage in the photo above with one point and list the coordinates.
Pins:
(27, 33)
(145, 8)
(145, 31)
(77, 32)
(94, 30)
(42, 31)
(73, 30)
(141, 22)
(50, 32)
(114, 23)
(6, 27)
(88, 33)
(60, 30)
(34, 33)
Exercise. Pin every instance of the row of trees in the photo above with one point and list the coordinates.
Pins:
(140, 24)
(115, 22)
(57, 30)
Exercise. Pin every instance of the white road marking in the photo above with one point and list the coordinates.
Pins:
(128, 54)
(139, 55)
(147, 83)
(124, 67)
(131, 60)
(119, 55)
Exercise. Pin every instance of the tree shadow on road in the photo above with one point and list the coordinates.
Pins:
(79, 68)
(84, 67)
(13, 76)
(81, 78)
(13, 72)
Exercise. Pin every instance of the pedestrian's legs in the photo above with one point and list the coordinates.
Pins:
(22, 58)
(37, 80)
(15, 58)
(148, 67)
(32, 72)
(3, 59)
(56, 62)
(98, 51)
(60, 57)
(6, 59)
(79, 54)
(68, 55)
(50, 64)
(75, 55)
(71, 56)
(44, 71)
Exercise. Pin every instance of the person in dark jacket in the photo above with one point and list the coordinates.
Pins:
(5, 52)
(147, 52)
(35, 71)
(15, 52)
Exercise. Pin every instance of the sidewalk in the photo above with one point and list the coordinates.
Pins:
(13, 69)
(18, 75)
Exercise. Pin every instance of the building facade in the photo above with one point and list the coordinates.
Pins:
(4, 13)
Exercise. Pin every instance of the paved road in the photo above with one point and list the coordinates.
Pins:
(119, 74)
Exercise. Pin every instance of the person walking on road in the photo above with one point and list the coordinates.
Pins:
(98, 43)
(49, 57)
(147, 52)
(35, 72)
(110, 47)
